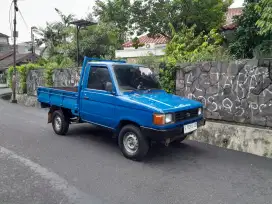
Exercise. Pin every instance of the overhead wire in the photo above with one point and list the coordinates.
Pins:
(23, 19)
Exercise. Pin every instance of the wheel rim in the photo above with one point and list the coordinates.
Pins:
(131, 143)
(57, 123)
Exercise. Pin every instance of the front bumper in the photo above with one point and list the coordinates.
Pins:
(167, 134)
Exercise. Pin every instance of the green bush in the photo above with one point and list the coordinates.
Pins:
(167, 77)
(49, 66)
(21, 74)
(9, 76)
(187, 46)
(150, 61)
(56, 62)
(48, 74)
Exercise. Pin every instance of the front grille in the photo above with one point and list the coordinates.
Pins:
(185, 115)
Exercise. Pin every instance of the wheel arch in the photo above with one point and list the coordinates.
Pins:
(66, 112)
(125, 122)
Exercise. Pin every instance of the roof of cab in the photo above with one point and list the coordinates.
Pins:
(116, 63)
(108, 63)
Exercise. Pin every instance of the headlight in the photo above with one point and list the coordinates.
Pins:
(162, 119)
(168, 118)
(200, 111)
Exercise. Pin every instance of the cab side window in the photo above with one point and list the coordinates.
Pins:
(98, 77)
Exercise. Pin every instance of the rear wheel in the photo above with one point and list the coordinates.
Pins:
(133, 143)
(60, 123)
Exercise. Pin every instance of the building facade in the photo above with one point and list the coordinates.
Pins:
(150, 46)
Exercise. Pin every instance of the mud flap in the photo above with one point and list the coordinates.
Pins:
(49, 117)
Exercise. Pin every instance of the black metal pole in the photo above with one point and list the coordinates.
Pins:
(13, 100)
(32, 41)
(77, 36)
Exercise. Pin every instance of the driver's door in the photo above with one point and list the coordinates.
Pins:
(97, 104)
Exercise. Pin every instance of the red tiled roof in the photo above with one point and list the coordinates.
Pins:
(230, 25)
(159, 39)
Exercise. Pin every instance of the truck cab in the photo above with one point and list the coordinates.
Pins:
(126, 99)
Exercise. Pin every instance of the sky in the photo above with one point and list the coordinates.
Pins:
(38, 12)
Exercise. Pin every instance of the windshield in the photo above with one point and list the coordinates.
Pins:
(132, 78)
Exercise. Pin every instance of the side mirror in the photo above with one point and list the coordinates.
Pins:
(108, 87)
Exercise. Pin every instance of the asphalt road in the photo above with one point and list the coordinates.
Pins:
(86, 166)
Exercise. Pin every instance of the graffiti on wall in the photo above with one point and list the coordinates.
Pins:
(66, 77)
(238, 91)
(35, 78)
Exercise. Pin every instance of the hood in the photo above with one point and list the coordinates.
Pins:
(160, 100)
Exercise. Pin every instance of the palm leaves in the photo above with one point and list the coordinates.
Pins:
(55, 35)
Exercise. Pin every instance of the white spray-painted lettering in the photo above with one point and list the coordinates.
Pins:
(246, 94)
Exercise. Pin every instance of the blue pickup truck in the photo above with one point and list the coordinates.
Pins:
(127, 99)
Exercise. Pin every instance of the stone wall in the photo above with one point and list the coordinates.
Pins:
(34, 79)
(239, 91)
(19, 88)
(67, 77)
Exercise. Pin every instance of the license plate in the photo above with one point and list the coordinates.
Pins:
(190, 128)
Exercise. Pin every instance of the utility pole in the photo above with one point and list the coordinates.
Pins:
(15, 35)
(77, 39)
(32, 41)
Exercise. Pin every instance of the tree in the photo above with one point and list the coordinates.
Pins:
(154, 16)
(65, 19)
(116, 13)
(150, 61)
(55, 35)
(49, 37)
(264, 23)
(96, 41)
(187, 45)
(247, 36)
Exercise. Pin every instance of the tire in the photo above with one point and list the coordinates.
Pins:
(129, 137)
(60, 123)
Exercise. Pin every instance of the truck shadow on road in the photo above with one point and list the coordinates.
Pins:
(188, 150)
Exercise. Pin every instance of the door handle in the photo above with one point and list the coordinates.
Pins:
(86, 98)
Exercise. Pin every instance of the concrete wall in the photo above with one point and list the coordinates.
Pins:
(239, 91)
(237, 137)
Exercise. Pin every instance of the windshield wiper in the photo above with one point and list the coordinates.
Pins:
(147, 90)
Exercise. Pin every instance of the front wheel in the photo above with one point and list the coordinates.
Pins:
(60, 123)
(133, 144)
